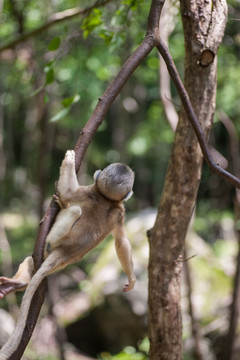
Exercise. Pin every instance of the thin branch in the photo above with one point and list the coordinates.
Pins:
(215, 168)
(54, 19)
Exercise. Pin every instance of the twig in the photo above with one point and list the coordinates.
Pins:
(189, 257)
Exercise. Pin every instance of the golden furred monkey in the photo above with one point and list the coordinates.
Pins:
(87, 215)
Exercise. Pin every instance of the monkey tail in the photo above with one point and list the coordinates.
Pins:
(11, 345)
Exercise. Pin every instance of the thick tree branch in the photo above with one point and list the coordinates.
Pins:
(54, 19)
(167, 237)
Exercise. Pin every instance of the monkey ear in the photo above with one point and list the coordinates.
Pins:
(96, 175)
(127, 197)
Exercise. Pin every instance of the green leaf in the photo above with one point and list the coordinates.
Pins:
(67, 103)
(91, 22)
(106, 35)
(50, 76)
(54, 44)
(49, 64)
(61, 114)
(46, 98)
(70, 100)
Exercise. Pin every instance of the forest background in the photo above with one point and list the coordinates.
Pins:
(50, 84)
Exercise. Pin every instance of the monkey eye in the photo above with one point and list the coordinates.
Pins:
(128, 196)
(96, 175)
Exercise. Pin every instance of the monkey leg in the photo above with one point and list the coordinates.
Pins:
(63, 224)
(20, 280)
(68, 181)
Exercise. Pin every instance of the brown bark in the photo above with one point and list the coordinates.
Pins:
(203, 34)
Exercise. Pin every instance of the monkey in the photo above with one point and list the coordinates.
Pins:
(87, 215)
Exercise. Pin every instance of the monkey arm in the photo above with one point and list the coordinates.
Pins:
(124, 253)
(68, 182)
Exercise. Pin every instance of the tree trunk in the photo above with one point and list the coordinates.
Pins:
(204, 25)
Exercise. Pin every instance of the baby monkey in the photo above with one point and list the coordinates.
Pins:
(87, 215)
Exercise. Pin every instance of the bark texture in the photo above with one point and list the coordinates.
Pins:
(204, 25)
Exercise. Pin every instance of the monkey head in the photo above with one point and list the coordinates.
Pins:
(115, 182)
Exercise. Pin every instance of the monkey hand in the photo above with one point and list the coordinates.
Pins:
(130, 285)
(8, 285)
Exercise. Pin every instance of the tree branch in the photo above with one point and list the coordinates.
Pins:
(54, 19)
(215, 168)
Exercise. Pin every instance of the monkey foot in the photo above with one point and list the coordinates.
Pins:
(8, 285)
(70, 156)
(58, 200)
(128, 287)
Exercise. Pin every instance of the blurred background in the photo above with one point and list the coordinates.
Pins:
(50, 84)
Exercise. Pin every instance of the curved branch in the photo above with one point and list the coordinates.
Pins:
(54, 19)
(215, 168)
